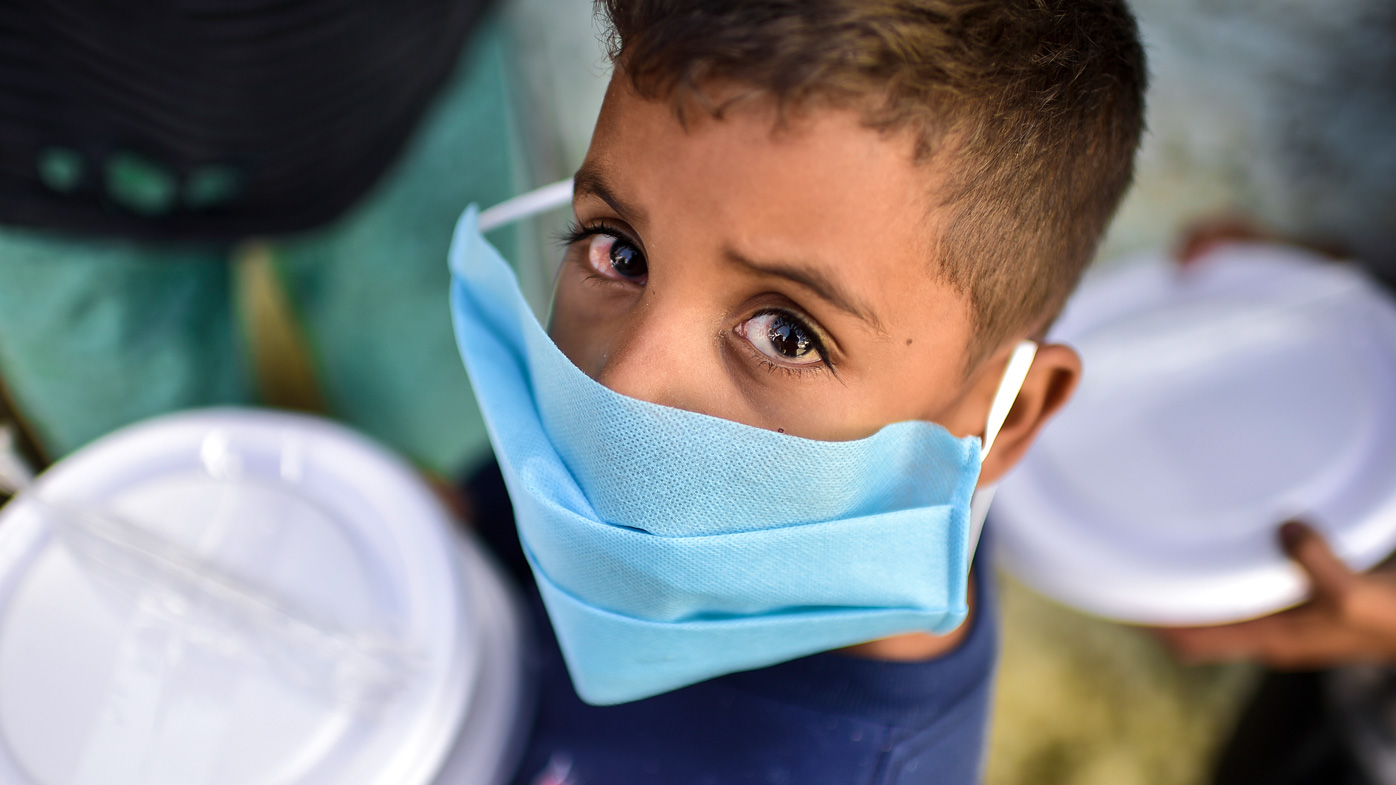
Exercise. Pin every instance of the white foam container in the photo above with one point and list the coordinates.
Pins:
(1217, 401)
(93, 689)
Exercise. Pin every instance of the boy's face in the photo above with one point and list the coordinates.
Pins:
(784, 279)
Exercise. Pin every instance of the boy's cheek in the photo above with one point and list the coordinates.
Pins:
(580, 313)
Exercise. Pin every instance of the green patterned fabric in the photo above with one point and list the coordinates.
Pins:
(371, 290)
(96, 334)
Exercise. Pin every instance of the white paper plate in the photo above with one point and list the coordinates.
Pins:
(491, 738)
(1217, 401)
(313, 513)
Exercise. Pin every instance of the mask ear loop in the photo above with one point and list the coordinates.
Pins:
(526, 205)
(1013, 377)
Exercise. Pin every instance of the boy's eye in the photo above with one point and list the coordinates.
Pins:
(616, 258)
(782, 338)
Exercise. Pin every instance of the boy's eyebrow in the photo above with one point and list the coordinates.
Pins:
(589, 181)
(813, 279)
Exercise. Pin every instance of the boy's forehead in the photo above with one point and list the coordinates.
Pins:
(819, 173)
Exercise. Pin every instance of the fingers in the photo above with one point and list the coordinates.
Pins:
(1247, 640)
(1304, 637)
(1298, 635)
(1203, 237)
(1329, 577)
(1350, 617)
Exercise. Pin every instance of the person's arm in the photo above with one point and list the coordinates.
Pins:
(1350, 617)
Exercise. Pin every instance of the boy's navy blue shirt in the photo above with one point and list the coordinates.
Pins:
(829, 718)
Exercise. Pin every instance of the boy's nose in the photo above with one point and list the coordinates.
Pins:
(660, 355)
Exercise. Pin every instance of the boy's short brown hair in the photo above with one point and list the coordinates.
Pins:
(1039, 103)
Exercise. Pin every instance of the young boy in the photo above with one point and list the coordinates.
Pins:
(817, 219)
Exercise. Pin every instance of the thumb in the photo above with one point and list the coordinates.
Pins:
(1328, 575)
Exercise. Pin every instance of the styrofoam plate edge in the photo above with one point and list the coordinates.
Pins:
(159, 439)
(490, 743)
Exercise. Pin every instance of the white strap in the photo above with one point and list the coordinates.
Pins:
(1013, 377)
(541, 200)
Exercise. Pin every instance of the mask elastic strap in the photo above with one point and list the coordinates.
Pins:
(539, 200)
(1013, 377)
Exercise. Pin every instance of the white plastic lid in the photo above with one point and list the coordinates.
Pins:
(102, 680)
(1217, 402)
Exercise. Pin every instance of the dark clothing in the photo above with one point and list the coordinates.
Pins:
(211, 119)
(1289, 735)
(828, 718)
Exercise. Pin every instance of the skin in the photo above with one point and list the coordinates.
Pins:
(698, 241)
(1350, 617)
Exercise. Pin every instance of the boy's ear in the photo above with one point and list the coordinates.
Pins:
(1052, 379)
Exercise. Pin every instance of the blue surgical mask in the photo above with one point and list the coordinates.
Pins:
(671, 547)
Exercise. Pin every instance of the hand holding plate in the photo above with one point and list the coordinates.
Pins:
(1350, 617)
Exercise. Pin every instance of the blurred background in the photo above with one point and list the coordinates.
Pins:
(1282, 112)
(170, 285)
